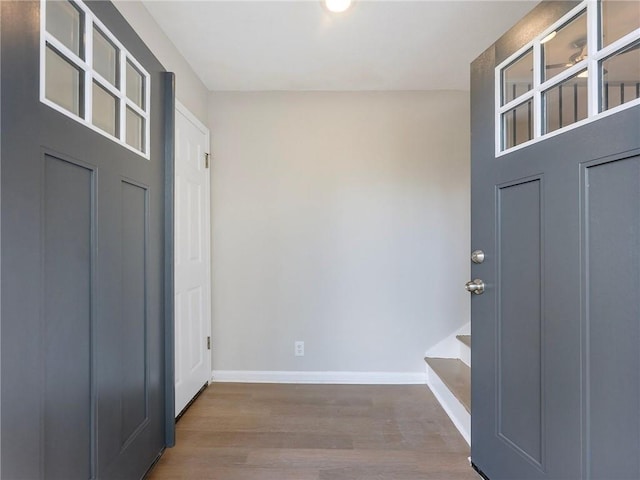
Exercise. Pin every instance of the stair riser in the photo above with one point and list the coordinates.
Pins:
(465, 354)
(450, 404)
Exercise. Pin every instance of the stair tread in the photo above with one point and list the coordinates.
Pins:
(456, 376)
(466, 339)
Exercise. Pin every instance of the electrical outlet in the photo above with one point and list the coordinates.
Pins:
(299, 348)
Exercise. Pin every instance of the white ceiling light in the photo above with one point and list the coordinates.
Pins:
(551, 36)
(337, 6)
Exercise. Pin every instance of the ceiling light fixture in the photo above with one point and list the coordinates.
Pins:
(548, 37)
(337, 6)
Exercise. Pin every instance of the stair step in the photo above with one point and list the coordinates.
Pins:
(456, 376)
(466, 339)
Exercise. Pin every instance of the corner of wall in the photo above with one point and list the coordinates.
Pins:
(190, 89)
(449, 347)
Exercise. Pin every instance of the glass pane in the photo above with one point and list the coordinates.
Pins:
(517, 125)
(63, 82)
(105, 57)
(135, 85)
(566, 48)
(135, 130)
(517, 78)
(105, 110)
(621, 77)
(619, 18)
(64, 21)
(565, 103)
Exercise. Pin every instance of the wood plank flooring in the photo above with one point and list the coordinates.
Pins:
(315, 432)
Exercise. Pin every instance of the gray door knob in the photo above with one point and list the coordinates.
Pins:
(475, 286)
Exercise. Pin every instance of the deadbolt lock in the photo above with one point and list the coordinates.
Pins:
(477, 256)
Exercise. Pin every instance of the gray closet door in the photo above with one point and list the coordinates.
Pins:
(82, 275)
(555, 378)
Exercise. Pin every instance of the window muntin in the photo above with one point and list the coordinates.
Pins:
(618, 18)
(135, 129)
(63, 82)
(83, 74)
(135, 85)
(565, 103)
(105, 57)
(517, 78)
(518, 125)
(585, 104)
(105, 110)
(620, 75)
(566, 48)
(65, 21)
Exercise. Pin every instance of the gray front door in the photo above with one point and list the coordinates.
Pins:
(82, 263)
(556, 333)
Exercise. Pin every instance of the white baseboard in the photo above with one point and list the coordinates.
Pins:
(355, 378)
(451, 405)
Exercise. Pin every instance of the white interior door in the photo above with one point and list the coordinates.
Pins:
(192, 257)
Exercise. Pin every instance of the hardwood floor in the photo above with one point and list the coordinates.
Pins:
(315, 432)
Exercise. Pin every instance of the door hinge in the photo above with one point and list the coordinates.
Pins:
(208, 343)
(206, 160)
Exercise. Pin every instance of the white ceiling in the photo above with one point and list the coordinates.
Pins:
(376, 45)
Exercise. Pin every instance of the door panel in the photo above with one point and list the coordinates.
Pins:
(68, 232)
(555, 380)
(520, 316)
(612, 226)
(134, 345)
(83, 386)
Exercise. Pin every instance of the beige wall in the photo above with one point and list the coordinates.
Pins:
(189, 89)
(340, 219)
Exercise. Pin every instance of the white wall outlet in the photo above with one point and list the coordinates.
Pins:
(299, 348)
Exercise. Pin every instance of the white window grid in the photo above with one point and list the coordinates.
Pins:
(590, 63)
(91, 75)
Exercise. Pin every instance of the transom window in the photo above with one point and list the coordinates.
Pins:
(583, 67)
(88, 75)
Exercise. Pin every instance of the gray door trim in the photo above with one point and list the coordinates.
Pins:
(0, 231)
(169, 266)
